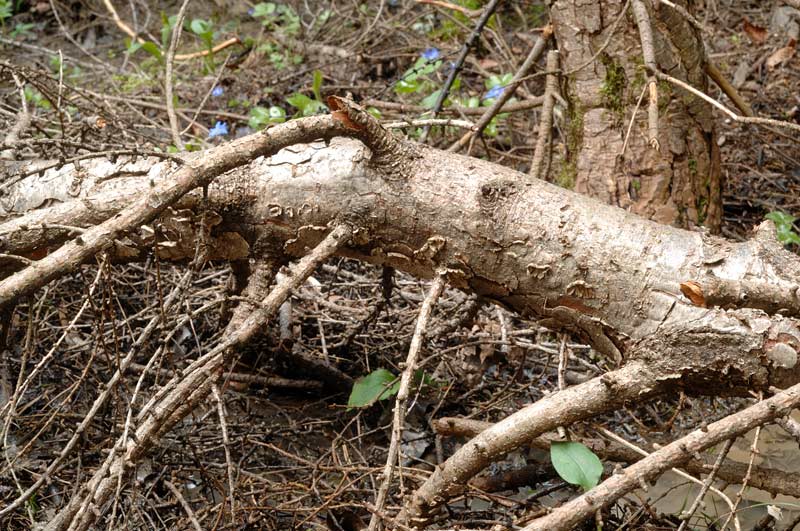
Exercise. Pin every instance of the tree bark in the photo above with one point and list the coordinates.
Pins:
(678, 183)
(614, 278)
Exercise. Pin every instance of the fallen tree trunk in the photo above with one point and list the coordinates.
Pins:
(677, 309)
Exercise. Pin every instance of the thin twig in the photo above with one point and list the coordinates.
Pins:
(425, 310)
(21, 123)
(471, 13)
(173, 44)
(648, 51)
(688, 16)
(687, 515)
(633, 119)
(740, 493)
(459, 63)
(464, 124)
(732, 115)
(226, 443)
(729, 90)
(546, 119)
(508, 90)
(524, 105)
(184, 504)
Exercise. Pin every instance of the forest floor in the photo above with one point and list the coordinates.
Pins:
(298, 456)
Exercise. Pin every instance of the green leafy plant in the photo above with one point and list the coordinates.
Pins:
(204, 29)
(784, 223)
(379, 385)
(34, 96)
(133, 46)
(260, 117)
(279, 56)
(277, 16)
(576, 464)
(22, 29)
(452, 27)
(494, 88)
(414, 79)
(6, 11)
(305, 105)
(167, 25)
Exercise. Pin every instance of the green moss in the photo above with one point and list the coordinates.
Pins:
(701, 205)
(693, 167)
(613, 88)
(569, 167)
(566, 177)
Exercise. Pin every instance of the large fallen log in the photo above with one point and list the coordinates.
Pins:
(673, 308)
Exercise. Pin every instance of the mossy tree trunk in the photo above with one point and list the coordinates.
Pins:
(678, 183)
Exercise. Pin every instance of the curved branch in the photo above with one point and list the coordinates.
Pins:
(601, 394)
(572, 513)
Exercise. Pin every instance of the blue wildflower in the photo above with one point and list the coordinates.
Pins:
(431, 54)
(219, 129)
(217, 91)
(251, 11)
(494, 92)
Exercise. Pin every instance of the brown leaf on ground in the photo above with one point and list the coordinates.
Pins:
(757, 34)
(781, 55)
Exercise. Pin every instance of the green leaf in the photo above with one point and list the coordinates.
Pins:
(406, 86)
(430, 101)
(375, 386)
(261, 116)
(301, 101)
(780, 218)
(264, 9)
(576, 464)
(784, 225)
(305, 105)
(277, 114)
(315, 87)
(153, 49)
(199, 26)
(131, 46)
(167, 23)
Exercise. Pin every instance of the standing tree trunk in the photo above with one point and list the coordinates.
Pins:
(679, 182)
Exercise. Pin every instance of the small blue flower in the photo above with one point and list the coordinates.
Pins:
(494, 92)
(217, 91)
(219, 129)
(431, 54)
(251, 11)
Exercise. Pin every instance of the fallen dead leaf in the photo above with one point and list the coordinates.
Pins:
(781, 55)
(757, 34)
